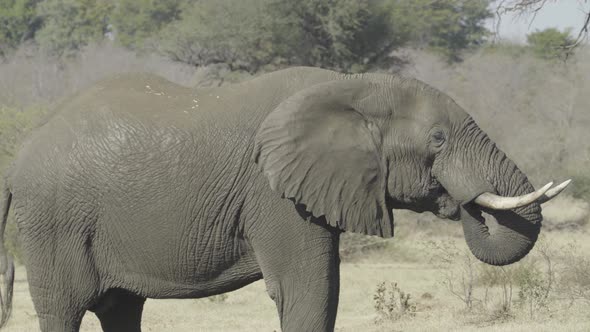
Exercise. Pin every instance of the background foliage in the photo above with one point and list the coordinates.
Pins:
(348, 35)
(550, 43)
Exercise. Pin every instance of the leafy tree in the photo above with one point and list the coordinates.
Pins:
(550, 43)
(347, 35)
(135, 21)
(18, 22)
(69, 25)
(445, 26)
(233, 32)
(341, 34)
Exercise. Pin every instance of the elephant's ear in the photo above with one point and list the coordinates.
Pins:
(317, 150)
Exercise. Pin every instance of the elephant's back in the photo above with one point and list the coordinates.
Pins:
(136, 125)
(140, 96)
(132, 133)
(128, 111)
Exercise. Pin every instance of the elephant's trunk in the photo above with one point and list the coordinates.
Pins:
(515, 231)
(509, 240)
(476, 165)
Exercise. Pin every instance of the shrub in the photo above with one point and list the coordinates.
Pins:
(219, 298)
(135, 21)
(535, 285)
(475, 283)
(574, 280)
(18, 23)
(550, 43)
(69, 25)
(458, 268)
(490, 277)
(391, 303)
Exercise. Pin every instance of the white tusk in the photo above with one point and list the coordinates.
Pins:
(496, 202)
(554, 191)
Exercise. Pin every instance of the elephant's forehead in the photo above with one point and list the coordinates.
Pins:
(423, 111)
(440, 110)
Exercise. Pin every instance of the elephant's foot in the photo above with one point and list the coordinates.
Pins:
(120, 311)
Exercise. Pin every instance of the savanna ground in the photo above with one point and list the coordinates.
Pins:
(536, 110)
(449, 290)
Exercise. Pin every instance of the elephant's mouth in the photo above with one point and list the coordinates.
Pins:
(452, 213)
(441, 204)
(446, 207)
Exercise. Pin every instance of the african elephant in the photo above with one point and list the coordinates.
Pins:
(139, 188)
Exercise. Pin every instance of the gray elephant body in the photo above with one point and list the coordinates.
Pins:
(138, 188)
(145, 186)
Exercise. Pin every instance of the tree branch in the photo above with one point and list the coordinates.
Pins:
(526, 7)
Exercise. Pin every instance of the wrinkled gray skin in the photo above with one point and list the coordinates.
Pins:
(138, 188)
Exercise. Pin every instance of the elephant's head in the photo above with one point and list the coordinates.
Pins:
(353, 149)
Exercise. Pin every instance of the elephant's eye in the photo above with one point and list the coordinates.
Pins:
(438, 138)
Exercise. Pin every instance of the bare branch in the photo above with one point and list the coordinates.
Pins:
(532, 7)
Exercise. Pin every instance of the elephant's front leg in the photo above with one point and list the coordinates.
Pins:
(300, 266)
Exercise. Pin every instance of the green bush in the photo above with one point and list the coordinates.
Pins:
(574, 277)
(534, 287)
(391, 303)
(69, 25)
(550, 43)
(231, 32)
(18, 23)
(135, 21)
(447, 27)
